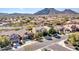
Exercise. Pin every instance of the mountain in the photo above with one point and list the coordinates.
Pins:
(14, 14)
(69, 11)
(19, 14)
(47, 11)
(51, 11)
(3, 14)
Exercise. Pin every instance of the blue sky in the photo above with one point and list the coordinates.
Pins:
(29, 10)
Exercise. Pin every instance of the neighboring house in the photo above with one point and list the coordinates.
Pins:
(15, 39)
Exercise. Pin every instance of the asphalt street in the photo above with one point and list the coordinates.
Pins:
(50, 43)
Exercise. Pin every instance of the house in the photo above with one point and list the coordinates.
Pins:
(16, 40)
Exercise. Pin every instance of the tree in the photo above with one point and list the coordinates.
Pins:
(38, 36)
(66, 18)
(52, 31)
(72, 38)
(29, 27)
(45, 33)
(4, 41)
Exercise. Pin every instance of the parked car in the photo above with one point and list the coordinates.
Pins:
(29, 36)
(25, 37)
(48, 38)
(56, 36)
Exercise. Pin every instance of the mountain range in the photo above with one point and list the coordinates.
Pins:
(45, 11)
(50, 11)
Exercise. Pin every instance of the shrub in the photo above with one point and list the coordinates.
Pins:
(52, 31)
(74, 39)
(45, 33)
(65, 42)
(4, 41)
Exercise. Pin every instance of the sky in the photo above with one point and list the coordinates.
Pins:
(30, 10)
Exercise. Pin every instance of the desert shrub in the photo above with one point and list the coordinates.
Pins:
(74, 39)
(4, 41)
(52, 31)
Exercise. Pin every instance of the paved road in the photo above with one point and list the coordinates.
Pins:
(35, 46)
(39, 45)
(57, 47)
